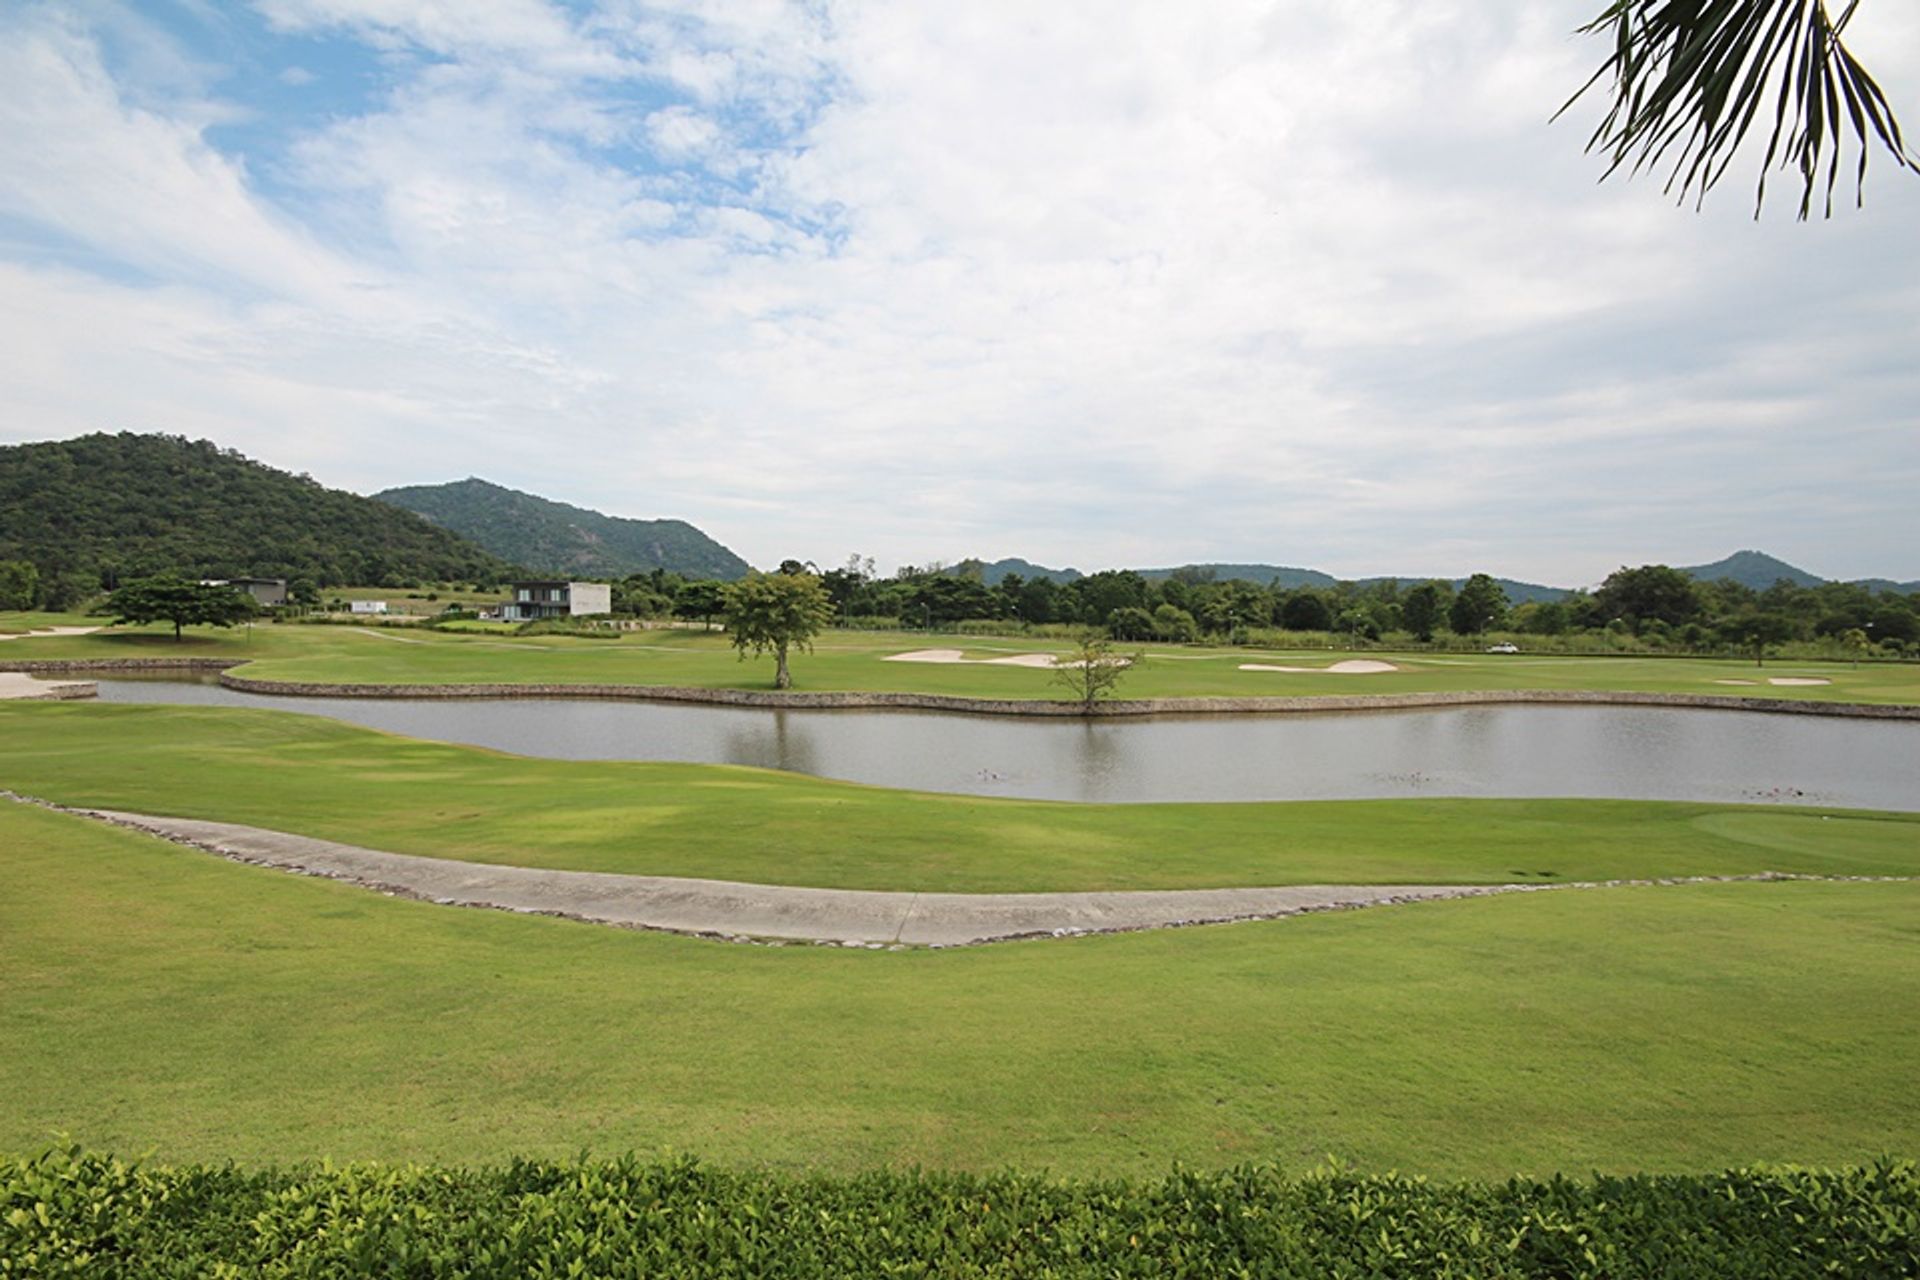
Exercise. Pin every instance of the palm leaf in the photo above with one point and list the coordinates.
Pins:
(1690, 77)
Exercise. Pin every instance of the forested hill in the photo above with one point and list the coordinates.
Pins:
(553, 537)
(1754, 569)
(103, 508)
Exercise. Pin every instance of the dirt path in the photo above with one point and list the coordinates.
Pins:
(745, 912)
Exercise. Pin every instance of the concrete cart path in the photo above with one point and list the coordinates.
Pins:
(731, 909)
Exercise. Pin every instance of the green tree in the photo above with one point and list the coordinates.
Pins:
(1171, 622)
(1093, 671)
(1690, 77)
(1854, 641)
(1306, 610)
(1756, 630)
(19, 585)
(775, 612)
(1423, 608)
(181, 602)
(1650, 593)
(1480, 606)
(1130, 622)
(702, 599)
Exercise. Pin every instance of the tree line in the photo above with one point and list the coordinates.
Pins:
(1658, 606)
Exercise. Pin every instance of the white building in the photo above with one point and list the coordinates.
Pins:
(368, 606)
(533, 601)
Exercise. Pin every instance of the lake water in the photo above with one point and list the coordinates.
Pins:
(1646, 753)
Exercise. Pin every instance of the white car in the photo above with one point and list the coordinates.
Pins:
(1503, 648)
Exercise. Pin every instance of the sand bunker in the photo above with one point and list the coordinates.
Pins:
(1733, 682)
(1045, 660)
(1351, 667)
(17, 685)
(51, 631)
(1797, 680)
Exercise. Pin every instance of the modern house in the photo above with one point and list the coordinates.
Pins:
(533, 601)
(266, 591)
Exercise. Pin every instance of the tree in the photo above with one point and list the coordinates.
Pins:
(1306, 610)
(19, 585)
(700, 599)
(1093, 671)
(1652, 592)
(1854, 640)
(1755, 631)
(774, 612)
(1480, 606)
(1130, 622)
(1690, 77)
(183, 603)
(1171, 622)
(1423, 608)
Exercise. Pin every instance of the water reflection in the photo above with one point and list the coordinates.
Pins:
(1626, 752)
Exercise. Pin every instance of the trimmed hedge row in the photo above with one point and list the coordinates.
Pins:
(68, 1213)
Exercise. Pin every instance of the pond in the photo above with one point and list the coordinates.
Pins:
(1644, 753)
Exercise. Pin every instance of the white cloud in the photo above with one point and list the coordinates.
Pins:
(1088, 283)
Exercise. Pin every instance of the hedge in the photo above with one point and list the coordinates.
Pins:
(72, 1213)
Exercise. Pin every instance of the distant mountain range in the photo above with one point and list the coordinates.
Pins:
(104, 508)
(1262, 574)
(1753, 569)
(554, 537)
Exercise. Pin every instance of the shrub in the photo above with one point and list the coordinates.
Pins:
(69, 1213)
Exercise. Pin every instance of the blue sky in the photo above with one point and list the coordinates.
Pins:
(1094, 284)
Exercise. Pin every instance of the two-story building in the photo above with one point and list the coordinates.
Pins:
(265, 591)
(534, 601)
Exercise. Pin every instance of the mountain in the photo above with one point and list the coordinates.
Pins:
(125, 506)
(1754, 569)
(995, 573)
(1291, 578)
(553, 537)
(1259, 574)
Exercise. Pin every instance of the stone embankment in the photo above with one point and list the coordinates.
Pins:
(845, 700)
(870, 700)
(132, 666)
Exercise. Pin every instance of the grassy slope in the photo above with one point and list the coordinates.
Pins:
(852, 660)
(324, 778)
(158, 999)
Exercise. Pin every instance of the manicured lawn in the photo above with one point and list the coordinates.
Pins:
(160, 1000)
(855, 660)
(319, 777)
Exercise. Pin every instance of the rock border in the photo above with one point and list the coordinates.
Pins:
(843, 700)
(880, 700)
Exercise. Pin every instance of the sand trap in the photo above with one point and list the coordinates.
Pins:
(1734, 682)
(1797, 680)
(1351, 667)
(955, 656)
(16, 685)
(51, 631)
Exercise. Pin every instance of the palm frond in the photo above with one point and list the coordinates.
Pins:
(1690, 77)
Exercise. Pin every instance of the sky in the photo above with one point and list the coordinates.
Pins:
(1100, 284)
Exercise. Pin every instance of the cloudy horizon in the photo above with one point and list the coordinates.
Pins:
(1111, 285)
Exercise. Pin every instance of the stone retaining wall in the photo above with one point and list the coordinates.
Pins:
(57, 666)
(852, 700)
(867, 700)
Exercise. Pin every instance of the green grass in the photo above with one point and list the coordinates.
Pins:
(157, 999)
(320, 777)
(854, 660)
